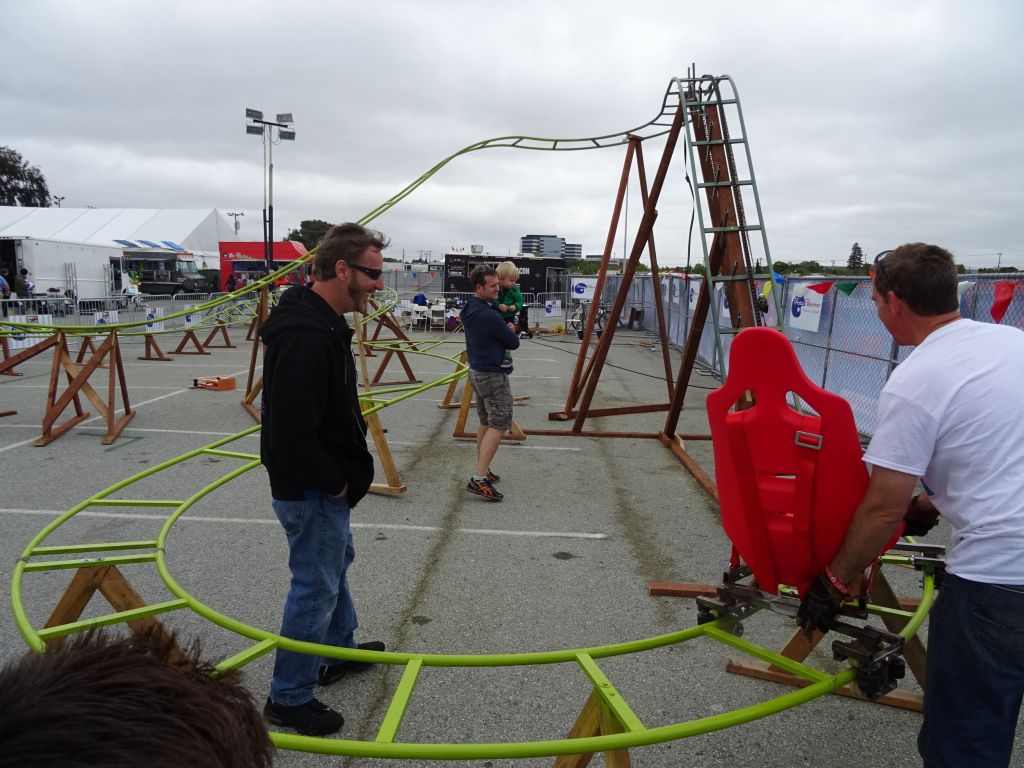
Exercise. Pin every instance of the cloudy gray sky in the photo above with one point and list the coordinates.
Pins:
(875, 122)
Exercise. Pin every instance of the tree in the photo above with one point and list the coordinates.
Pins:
(856, 260)
(20, 183)
(309, 233)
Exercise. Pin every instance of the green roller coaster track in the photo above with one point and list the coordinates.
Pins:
(37, 558)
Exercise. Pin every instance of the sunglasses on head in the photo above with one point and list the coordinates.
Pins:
(373, 274)
(880, 269)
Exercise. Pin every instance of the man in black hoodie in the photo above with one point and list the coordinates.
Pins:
(313, 444)
(488, 336)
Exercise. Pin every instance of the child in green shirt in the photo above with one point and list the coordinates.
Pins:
(509, 301)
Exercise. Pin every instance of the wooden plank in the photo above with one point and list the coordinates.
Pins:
(69, 607)
(678, 589)
(587, 724)
(899, 698)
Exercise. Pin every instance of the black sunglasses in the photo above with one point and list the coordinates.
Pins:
(880, 269)
(373, 274)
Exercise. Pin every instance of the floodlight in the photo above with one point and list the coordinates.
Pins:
(286, 135)
(256, 130)
(285, 117)
(253, 114)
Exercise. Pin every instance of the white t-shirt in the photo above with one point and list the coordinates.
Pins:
(953, 414)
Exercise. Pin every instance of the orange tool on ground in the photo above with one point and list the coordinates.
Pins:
(216, 383)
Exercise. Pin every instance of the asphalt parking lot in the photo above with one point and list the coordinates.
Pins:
(563, 562)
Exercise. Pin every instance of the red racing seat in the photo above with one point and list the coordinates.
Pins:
(788, 482)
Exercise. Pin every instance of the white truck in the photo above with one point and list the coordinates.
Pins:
(82, 268)
(89, 271)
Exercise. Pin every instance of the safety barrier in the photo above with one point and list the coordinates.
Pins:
(832, 323)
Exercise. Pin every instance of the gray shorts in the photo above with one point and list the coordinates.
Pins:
(493, 399)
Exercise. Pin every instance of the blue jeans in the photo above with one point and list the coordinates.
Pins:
(975, 675)
(319, 608)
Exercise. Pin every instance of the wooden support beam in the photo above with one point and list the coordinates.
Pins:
(799, 647)
(190, 338)
(515, 434)
(153, 351)
(5, 345)
(222, 329)
(112, 584)
(394, 482)
(87, 345)
(387, 320)
(595, 719)
(78, 382)
(641, 242)
(254, 381)
(675, 444)
(27, 354)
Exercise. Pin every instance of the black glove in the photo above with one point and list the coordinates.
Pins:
(820, 605)
(918, 527)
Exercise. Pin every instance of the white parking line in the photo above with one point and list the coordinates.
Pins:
(47, 386)
(470, 443)
(371, 526)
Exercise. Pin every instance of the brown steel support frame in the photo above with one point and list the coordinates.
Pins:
(586, 375)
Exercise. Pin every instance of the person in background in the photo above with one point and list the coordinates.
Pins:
(951, 414)
(5, 289)
(231, 284)
(487, 339)
(22, 285)
(313, 444)
(121, 702)
(420, 299)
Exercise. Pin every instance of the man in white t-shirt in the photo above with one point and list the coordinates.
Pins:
(951, 414)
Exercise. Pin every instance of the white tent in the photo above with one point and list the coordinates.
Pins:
(197, 230)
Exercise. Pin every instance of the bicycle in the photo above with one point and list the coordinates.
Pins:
(578, 319)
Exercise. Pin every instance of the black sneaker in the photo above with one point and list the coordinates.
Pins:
(484, 488)
(332, 673)
(491, 477)
(310, 719)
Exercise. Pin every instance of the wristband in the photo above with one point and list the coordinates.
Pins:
(834, 580)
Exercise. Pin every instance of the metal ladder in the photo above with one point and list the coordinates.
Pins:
(733, 236)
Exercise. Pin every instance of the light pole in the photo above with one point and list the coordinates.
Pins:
(58, 199)
(257, 126)
(235, 217)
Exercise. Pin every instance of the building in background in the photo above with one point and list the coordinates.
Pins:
(550, 247)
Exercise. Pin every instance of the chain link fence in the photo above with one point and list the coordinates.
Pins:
(831, 322)
(833, 326)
